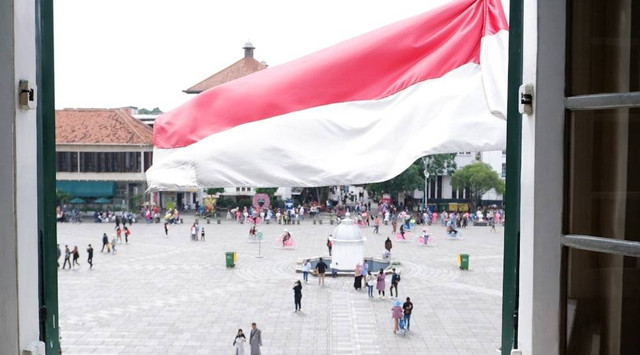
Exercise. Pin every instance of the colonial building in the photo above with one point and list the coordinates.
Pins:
(243, 67)
(102, 153)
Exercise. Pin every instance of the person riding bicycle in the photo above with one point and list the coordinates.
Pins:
(285, 237)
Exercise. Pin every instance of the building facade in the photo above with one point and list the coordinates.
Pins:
(102, 153)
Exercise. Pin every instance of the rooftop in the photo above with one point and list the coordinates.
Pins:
(100, 126)
(242, 67)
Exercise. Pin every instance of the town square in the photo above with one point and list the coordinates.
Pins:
(171, 295)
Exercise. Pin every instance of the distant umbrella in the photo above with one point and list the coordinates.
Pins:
(102, 200)
(77, 200)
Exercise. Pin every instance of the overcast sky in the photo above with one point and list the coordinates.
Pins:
(143, 53)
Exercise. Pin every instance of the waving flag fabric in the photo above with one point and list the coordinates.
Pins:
(360, 111)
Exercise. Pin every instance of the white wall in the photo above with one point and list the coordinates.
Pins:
(18, 236)
(542, 179)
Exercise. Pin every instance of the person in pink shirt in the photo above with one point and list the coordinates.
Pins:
(396, 313)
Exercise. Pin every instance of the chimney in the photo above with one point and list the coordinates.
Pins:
(248, 50)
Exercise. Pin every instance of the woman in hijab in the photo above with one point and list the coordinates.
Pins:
(357, 283)
(238, 343)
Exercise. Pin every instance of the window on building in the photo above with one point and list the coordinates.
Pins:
(67, 162)
(110, 162)
(148, 160)
(602, 192)
(503, 174)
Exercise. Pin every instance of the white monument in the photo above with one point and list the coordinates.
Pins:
(348, 245)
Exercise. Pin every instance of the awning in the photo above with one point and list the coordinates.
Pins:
(87, 188)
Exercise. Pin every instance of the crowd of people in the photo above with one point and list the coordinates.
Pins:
(401, 222)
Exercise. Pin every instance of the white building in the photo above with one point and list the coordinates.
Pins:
(440, 191)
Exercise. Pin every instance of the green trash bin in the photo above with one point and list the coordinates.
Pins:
(464, 261)
(230, 259)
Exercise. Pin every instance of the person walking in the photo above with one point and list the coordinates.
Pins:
(193, 232)
(127, 232)
(255, 339)
(357, 282)
(166, 229)
(394, 226)
(105, 242)
(119, 233)
(329, 245)
(297, 295)
(381, 284)
(202, 234)
(395, 279)
(396, 314)
(113, 245)
(90, 256)
(376, 225)
(306, 268)
(58, 253)
(321, 268)
(238, 343)
(407, 307)
(365, 270)
(76, 256)
(371, 281)
(67, 256)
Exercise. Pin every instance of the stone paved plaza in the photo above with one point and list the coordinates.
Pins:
(171, 295)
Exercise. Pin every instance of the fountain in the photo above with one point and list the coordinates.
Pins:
(347, 251)
(348, 245)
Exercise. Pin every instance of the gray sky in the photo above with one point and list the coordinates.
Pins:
(143, 53)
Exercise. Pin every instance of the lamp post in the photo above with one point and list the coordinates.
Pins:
(426, 160)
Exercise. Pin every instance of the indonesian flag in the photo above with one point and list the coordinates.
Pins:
(361, 111)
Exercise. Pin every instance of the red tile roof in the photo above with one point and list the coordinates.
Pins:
(101, 126)
(244, 66)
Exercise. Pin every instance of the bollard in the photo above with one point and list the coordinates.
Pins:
(218, 221)
(320, 221)
(268, 221)
(298, 222)
(314, 221)
(331, 221)
(208, 220)
(386, 223)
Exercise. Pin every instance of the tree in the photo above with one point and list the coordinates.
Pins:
(213, 191)
(62, 197)
(440, 164)
(478, 178)
(155, 111)
(408, 180)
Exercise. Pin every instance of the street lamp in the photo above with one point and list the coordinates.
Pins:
(426, 161)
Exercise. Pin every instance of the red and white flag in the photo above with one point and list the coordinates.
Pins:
(358, 112)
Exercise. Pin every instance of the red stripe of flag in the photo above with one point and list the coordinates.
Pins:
(369, 67)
